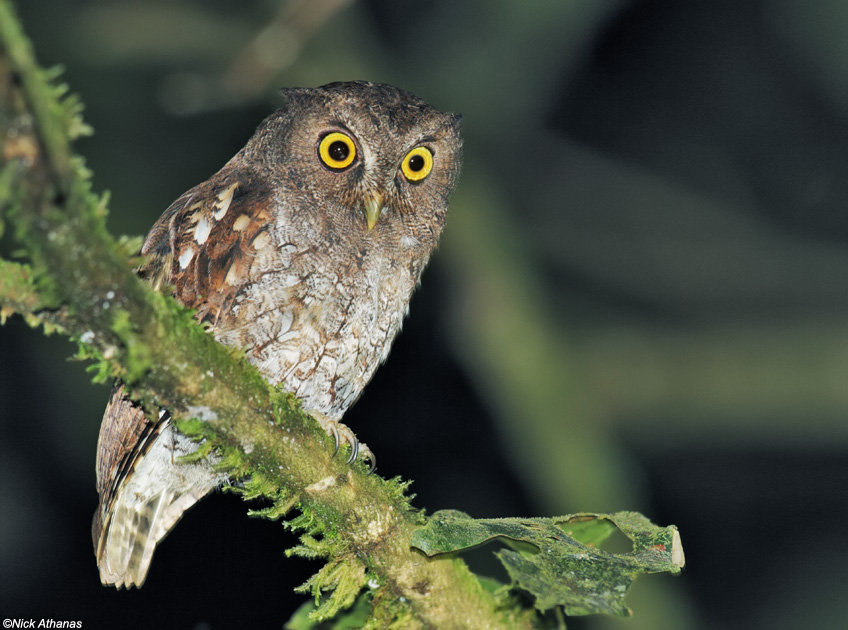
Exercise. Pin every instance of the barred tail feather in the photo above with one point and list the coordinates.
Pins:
(144, 489)
(134, 530)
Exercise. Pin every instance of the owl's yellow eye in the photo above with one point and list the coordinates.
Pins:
(417, 164)
(337, 150)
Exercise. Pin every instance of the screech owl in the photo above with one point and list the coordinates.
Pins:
(303, 250)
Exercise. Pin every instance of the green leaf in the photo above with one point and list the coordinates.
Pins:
(565, 565)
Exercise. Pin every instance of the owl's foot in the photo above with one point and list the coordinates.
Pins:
(341, 432)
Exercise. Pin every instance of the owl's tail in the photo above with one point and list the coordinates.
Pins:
(144, 489)
(126, 545)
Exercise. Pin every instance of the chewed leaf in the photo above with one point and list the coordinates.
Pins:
(568, 568)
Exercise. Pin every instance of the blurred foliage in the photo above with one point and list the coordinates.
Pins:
(642, 276)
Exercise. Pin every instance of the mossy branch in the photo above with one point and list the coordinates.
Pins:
(78, 276)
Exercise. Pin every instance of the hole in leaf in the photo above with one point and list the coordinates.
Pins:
(520, 546)
(483, 562)
(617, 543)
(597, 532)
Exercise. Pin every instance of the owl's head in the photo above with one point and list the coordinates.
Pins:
(372, 162)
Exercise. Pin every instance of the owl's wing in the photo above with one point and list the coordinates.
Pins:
(203, 245)
(202, 248)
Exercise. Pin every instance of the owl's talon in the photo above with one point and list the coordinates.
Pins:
(354, 450)
(341, 433)
(333, 430)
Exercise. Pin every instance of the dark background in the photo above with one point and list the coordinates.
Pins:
(640, 301)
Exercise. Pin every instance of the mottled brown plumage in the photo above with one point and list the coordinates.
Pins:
(303, 250)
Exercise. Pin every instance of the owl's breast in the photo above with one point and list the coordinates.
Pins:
(319, 322)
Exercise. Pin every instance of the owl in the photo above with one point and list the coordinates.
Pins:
(303, 250)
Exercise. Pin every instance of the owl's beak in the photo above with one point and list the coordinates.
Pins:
(373, 208)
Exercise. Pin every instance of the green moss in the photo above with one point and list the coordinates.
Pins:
(138, 354)
(280, 507)
(390, 613)
(335, 586)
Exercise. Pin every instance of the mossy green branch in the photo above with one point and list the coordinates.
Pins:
(364, 523)
(17, 290)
